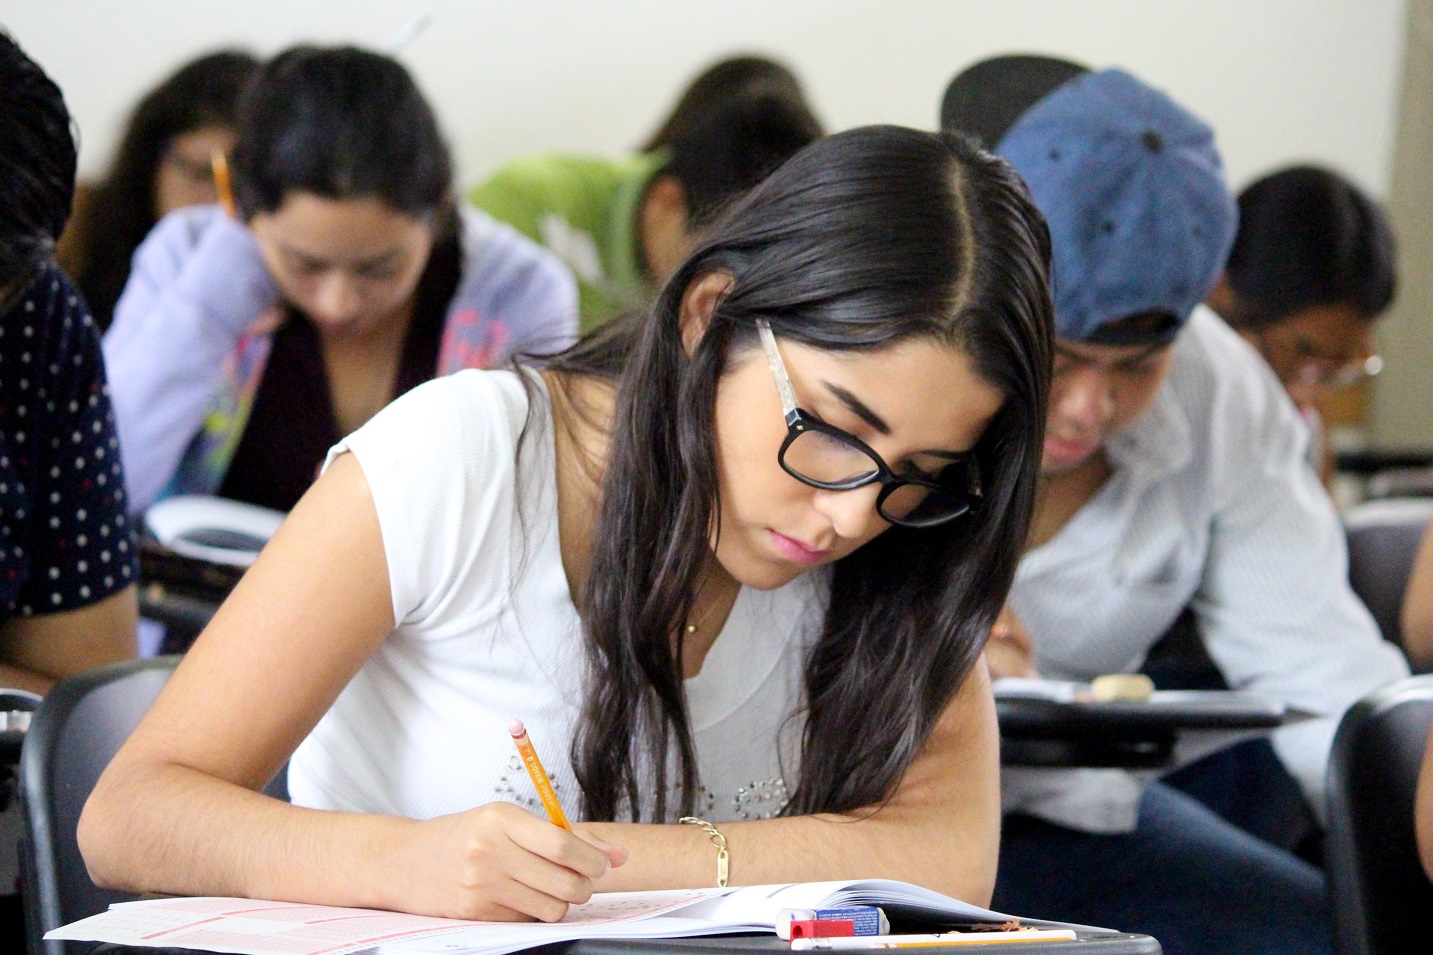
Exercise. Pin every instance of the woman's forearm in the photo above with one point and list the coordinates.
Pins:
(36, 652)
(178, 831)
(15, 678)
(942, 855)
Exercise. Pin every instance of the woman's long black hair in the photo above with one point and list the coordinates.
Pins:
(120, 214)
(861, 241)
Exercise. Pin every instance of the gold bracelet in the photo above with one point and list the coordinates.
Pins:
(718, 840)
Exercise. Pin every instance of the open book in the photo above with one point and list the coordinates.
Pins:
(253, 927)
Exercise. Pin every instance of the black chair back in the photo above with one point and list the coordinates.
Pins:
(74, 734)
(1383, 539)
(1381, 897)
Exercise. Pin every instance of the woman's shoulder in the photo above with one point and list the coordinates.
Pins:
(442, 464)
(467, 408)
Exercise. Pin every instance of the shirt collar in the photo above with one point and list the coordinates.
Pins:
(1158, 443)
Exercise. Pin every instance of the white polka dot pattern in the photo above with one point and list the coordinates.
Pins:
(64, 539)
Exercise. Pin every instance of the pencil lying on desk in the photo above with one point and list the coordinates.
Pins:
(538, 774)
(868, 942)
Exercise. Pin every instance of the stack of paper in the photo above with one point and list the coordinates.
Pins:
(250, 927)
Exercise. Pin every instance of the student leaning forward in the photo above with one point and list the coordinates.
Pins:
(734, 561)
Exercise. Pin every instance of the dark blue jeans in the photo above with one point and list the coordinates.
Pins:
(1185, 876)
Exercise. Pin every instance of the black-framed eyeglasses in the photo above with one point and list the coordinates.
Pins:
(825, 457)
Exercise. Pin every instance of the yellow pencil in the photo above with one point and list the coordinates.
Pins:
(219, 163)
(538, 774)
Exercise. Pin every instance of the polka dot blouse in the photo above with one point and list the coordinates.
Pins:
(65, 541)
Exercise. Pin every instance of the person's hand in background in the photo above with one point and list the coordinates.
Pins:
(1011, 649)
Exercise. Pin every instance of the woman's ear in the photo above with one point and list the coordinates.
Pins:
(699, 302)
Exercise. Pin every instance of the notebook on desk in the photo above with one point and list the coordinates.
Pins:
(251, 927)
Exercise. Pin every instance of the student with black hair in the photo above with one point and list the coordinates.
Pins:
(1312, 269)
(163, 163)
(243, 348)
(732, 559)
(67, 556)
(624, 225)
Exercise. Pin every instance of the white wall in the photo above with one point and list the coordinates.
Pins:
(1280, 80)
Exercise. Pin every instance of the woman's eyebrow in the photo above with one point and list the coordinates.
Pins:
(858, 407)
(375, 261)
(864, 412)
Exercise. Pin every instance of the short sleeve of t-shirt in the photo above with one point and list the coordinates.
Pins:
(66, 540)
(441, 464)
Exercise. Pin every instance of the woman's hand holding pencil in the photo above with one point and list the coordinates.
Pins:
(499, 862)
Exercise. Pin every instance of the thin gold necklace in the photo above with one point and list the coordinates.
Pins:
(693, 626)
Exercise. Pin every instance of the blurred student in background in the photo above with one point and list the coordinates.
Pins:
(623, 225)
(1312, 269)
(67, 558)
(164, 162)
(244, 347)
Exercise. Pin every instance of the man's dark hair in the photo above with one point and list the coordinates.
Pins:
(37, 163)
(718, 83)
(735, 145)
(1309, 237)
(1147, 329)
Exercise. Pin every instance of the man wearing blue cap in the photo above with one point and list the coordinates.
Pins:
(1173, 476)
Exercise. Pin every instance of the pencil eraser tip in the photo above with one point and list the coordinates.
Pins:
(517, 729)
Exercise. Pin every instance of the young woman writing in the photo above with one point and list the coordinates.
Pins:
(242, 349)
(735, 560)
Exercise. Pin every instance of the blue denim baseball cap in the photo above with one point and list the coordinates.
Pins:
(1141, 218)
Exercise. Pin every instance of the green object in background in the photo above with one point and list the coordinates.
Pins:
(584, 210)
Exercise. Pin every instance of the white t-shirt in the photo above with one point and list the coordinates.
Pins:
(487, 631)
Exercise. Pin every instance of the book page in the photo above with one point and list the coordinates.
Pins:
(250, 927)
